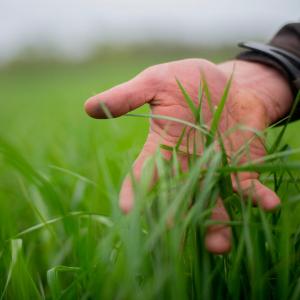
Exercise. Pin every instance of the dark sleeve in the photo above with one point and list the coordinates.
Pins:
(288, 39)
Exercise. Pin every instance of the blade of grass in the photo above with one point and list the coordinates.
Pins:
(217, 114)
(53, 279)
(188, 100)
(16, 249)
(162, 117)
(283, 130)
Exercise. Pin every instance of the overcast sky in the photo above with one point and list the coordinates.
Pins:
(73, 27)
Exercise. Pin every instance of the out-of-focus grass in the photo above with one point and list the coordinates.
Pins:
(60, 161)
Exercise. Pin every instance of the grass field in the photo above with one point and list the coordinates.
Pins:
(61, 233)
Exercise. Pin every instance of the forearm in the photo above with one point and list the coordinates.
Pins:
(266, 77)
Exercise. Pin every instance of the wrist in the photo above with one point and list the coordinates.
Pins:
(265, 83)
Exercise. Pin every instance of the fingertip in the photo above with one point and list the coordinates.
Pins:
(126, 200)
(265, 197)
(270, 202)
(218, 242)
(125, 207)
(218, 237)
(92, 108)
(260, 194)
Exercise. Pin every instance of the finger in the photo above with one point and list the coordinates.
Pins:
(247, 183)
(218, 237)
(127, 192)
(253, 189)
(126, 199)
(124, 97)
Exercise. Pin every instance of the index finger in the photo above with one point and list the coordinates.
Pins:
(123, 98)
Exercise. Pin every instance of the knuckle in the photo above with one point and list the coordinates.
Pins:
(153, 76)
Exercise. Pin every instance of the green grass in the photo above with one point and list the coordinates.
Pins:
(62, 235)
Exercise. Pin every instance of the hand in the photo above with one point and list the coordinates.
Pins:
(258, 96)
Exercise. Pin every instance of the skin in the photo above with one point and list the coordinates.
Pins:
(259, 96)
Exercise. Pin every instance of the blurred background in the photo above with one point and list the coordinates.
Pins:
(74, 30)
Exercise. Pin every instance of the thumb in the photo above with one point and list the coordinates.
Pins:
(125, 97)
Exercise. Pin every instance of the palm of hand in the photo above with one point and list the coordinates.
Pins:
(158, 87)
